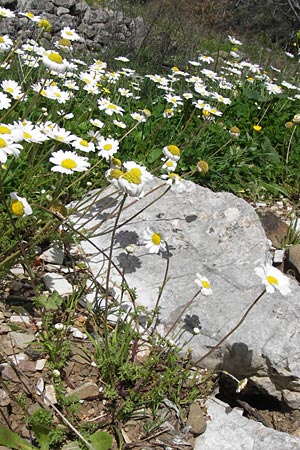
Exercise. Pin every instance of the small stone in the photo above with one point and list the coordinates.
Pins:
(88, 390)
(196, 419)
(4, 398)
(27, 366)
(55, 254)
(20, 319)
(61, 10)
(294, 256)
(16, 359)
(40, 364)
(56, 282)
(278, 256)
(291, 398)
(40, 386)
(50, 396)
(21, 340)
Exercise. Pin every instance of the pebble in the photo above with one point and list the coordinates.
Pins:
(40, 364)
(50, 396)
(4, 398)
(278, 256)
(21, 340)
(56, 282)
(196, 419)
(55, 254)
(88, 390)
(20, 319)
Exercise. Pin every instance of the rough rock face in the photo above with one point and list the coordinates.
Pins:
(219, 236)
(228, 430)
(100, 27)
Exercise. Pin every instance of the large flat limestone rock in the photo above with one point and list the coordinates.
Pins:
(219, 236)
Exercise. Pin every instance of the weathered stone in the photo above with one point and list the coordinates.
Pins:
(88, 390)
(55, 254)
(292, 399)
(56, 282)
(229, 430)
(219, 236)
(21, 340)
(196, 419)
(61, 10)
(276, 230)
(293, 258)
(50, 395)
(4, 398)
(65, 3)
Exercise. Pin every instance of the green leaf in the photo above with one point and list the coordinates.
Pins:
(42, 435)
(154, 155)
(101, 440)
(12, 440)
(254, 95)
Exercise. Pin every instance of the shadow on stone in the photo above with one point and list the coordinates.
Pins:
(128, 263)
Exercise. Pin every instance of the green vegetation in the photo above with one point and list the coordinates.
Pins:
(68, 126)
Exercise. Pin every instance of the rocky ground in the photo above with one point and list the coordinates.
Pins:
(27, 381)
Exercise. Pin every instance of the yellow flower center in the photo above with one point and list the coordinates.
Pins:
(111, 106)
(174, 150)
(133, 176)
(174, 176)
(205, 284)
(68, 163)
(30, 15)
(27, 135)
(17, 208)
(256, 127)
(116, 161)
(4, 130)
(55, 57)
(205, 112)
(3, 143)
(107, 147)
(84, 143)
(64, 42)
(155, 238)
(175, 69)
(57, 94)
(169, 164)
(44, 23)
(9, 89)
(69, 33)
(1, 40)
(272, 280)
(115, 173)
(202, 166)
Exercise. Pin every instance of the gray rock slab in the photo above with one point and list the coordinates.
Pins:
(55, 254)
(227, 429)
(219, 236)
(56, 282)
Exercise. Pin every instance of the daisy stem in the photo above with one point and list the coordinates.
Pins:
(289, 145)
(109, 269)
(232, 330)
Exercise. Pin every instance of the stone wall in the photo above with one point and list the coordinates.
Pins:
(101, 27)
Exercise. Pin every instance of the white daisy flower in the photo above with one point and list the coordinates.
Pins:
(19, 205)
(83, 145)
(139, 170)
(175, 181)
(70, 34)
(174, 99)
(131, 183)
(54, 61)
(119, 123)
(169, 165)
(138, 117)
(204, 284)
(68, 162)
(172, 152)
(5, 101)
(153, 241)
(8, 147)
(30, 16)
(107, 147)
(12, 87)
(4, 12)
(108, 107)
(273, 279)
(58, 133)
(234, 41)
(122, 59)
(97, 123)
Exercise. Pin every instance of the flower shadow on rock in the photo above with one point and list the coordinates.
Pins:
(238, 360)
(129, 263)
(125, 238)
(191, 322)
